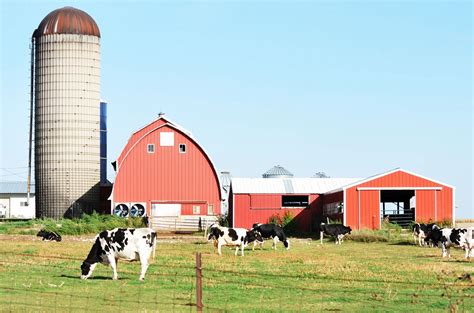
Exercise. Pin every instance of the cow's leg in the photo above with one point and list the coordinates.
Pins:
(321, 236)
(254, 244)
(242, 248)
(112, 263)
(236, 249)
(275, 241)
(144, 264)
(219, 248)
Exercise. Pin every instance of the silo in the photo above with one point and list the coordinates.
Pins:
(66, 71)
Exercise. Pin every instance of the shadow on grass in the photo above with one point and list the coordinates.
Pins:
(403, 243)
(90, 278)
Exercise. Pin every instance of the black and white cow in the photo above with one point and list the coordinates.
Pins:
(270, 231)
(420, 232)
(337, 231)
(238, 237)
(49, 235)
(455, 237)
(120, 243)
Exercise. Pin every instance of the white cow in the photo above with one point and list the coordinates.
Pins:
(460, 237)
(238, 237)
(120, 243)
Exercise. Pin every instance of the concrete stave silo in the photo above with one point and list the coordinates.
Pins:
(67, 113)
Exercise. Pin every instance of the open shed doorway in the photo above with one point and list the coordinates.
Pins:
(398, 206)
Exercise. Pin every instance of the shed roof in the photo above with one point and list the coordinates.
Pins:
(288, 185)
(15, 187)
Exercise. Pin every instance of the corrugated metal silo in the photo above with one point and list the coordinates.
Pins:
(66, 49)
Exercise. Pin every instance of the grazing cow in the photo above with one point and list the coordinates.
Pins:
(457, 237)
(49, 235)
(337, 231)
(272, 231)
(120, 243)
(238, 237)
(420, 232)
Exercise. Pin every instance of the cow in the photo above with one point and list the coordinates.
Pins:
(272, 231)
(420, 232)
(238, 237)
(49, 235)
(457, 237)
(128, 244)
(337, 231)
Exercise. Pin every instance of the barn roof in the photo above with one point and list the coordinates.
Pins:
(15, 187)
(288, 185)
(367, 179)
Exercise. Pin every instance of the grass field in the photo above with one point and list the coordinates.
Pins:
(44, 276)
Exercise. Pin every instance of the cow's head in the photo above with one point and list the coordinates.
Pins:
(87, 269)
(349, 229)
(214, 232)
(253, 235)
(256, 225)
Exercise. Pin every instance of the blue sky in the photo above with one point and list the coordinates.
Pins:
(349, 88)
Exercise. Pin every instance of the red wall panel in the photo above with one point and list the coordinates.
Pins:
(166, 174)
(425, 199)
(245, 214)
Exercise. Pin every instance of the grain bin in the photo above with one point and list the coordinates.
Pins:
(66, 97)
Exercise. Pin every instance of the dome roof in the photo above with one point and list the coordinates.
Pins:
(277, 172)
(67, 20)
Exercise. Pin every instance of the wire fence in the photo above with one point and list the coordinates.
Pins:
(31, 282)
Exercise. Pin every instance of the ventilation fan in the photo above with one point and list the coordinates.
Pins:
(121, 210)
(138, 210)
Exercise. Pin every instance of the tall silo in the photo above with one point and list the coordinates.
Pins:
(66, 71)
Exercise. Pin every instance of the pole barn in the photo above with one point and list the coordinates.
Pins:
(398, 196)
(165, 174)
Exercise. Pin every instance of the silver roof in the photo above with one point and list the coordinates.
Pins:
(277, 172)
(288, 185)
(15, 187)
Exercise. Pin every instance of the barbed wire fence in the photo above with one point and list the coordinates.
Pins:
(197, 287)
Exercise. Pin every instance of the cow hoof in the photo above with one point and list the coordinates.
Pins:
(141, 279)
(114, 278)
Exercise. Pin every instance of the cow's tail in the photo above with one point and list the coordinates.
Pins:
(287, 244)
(154, 239)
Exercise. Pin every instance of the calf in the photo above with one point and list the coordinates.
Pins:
(49, 235)
(120, 243)
(458, 237)
(238, 237)
(420, 232)
(272, 231)
(337, 231)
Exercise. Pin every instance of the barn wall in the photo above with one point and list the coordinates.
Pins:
(370, 199)
(250, 209)
(331, 198)
(166, 174)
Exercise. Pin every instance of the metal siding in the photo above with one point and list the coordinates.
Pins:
(166, 174)
(369, 209)
(67, 116)
(265, 201)
(424, 198)
(245, 216)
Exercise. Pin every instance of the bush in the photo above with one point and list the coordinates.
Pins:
(286, 221)
(88, 224)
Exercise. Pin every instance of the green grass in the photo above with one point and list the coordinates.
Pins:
(355, 276)
(88, 224)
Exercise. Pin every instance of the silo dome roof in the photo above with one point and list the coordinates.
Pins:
(67, 20)
(277, 172)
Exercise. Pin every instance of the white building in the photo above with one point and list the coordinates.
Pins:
(13, 200)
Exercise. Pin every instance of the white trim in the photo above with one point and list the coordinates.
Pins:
(358, 210)
(416, 206)
(233, 210)
(435, 205)
(399, 188)
(454, 209)
(344, 208)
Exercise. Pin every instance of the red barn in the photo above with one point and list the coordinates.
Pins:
(164, 173)
(398, 195)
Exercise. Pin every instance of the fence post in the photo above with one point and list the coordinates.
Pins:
(198, 282)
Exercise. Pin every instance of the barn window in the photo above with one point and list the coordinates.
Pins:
(150, 148)
(294, 201)
(182, 148)
(210, 209)
(333, 208)
(196, 209)
(166, 139)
